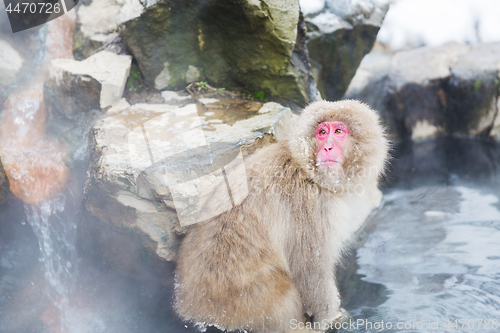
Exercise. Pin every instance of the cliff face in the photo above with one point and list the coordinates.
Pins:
(237, 44)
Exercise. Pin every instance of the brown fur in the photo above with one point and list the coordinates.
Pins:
(271, 258)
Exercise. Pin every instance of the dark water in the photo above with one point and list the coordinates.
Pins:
(430, 257)
(430, 254)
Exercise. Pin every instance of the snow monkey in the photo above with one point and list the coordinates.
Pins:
(269, 261)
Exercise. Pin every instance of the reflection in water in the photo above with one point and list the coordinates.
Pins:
(435, 244)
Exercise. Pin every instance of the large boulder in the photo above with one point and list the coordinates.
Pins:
(95, 26)
(430, 91)
(101, 77)
(153, 165)
(339, 35)
(252, 45)
(473, 90)
(495, 131)
(76, 91)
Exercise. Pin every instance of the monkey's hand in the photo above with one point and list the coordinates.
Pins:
(342, 317)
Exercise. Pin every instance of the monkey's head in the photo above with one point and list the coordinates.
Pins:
(338, 143)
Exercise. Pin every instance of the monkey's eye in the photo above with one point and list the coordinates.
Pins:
(338, 131)
(322, 132)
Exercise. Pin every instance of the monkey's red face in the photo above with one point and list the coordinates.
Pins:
(330, 138)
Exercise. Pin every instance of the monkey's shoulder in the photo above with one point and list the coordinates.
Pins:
(274, 168)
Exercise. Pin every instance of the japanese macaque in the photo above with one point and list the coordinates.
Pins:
(270, 261)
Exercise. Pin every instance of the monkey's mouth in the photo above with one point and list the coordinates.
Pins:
(329, 163)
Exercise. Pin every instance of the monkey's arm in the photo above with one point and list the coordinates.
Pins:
(230, 275)
(318, 288)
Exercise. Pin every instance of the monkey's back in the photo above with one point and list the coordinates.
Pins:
(231, 273)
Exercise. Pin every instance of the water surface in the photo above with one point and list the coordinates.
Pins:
(431, 254)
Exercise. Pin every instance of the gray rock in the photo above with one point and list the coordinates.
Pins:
(417, 80)
(152, 167)
(473, 90)
(10, 63)
(172, 97)
(254, 45)
(370, 83)
(495, 131)
(105, 71)
(96, 26)
(338, 38)
(429, 91)
(77, 90)
(4, 184)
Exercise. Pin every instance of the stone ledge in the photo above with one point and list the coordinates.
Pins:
(127, 198)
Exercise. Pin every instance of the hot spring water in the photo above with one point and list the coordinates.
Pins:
(429, 256)
(430, 259)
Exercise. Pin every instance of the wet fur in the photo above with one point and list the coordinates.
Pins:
(271, 258)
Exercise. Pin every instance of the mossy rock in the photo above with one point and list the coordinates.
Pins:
(235, 44)
(339, 36)
(336, 57)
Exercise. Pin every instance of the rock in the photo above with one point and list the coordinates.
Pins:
(429, 91)
(473, 90)
(418, 78)
(95, 27)
(36, 174)
(152, 166)
(4, 184)
(495, 132)
(99, 17)
(99, 80)
(10, 63)
(445, 160)
(370, 84)
(248, 45)
(34, 164)
(77, 90)
(174, 97)
(338, 38)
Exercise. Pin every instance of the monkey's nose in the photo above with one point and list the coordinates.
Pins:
(328, 148)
